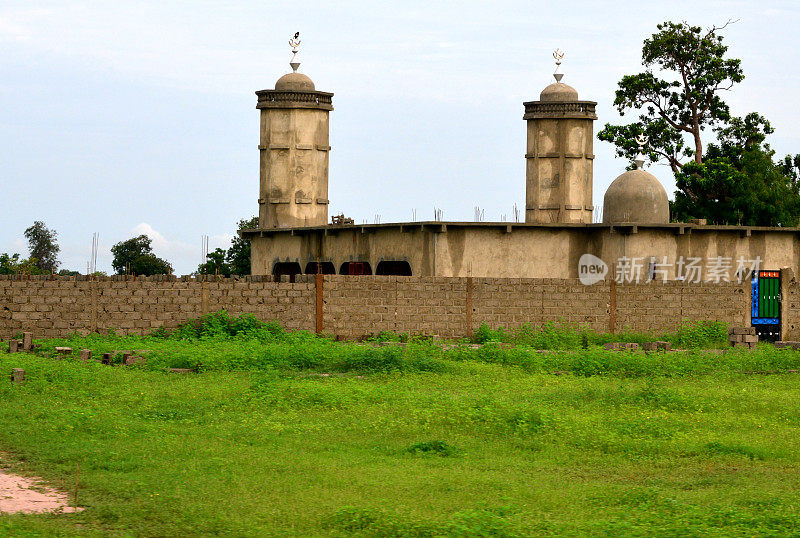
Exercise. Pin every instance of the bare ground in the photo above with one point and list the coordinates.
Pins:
(21, 494)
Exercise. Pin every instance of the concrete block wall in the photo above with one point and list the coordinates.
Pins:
(790, 294)
(354, 306)
(359, 305)
(662, 306)
(516, 301)
(56, 306)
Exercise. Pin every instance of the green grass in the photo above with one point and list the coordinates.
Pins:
(695, 334)
(290, 434)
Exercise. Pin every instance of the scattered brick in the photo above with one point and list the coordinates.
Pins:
(17, 375)
(180, 370)
(27, 341)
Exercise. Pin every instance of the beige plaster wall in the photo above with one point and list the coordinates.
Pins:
(559, 161)
(294, 150)
(519, 251)
(345, 245)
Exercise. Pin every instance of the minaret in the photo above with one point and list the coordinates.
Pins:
(294, 151)
(559, 155)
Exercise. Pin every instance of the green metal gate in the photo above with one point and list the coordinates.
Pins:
(766, 304)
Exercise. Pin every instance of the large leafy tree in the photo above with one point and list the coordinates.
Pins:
(738, 182)
(135, 256)
(678, 95)
(43, 247)
(733, 180)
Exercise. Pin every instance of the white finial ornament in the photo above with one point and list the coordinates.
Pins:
(558, 55)
(294, 43)
(641, 140)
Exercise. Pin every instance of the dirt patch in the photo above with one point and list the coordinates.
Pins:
(21, 494)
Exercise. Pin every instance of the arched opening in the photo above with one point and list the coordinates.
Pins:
(285, 268)
(393, 267)
(355, 268)
(325, 268)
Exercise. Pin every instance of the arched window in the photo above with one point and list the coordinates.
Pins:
(393, 267)
(325, 268)
(285, 268)
(355, 268)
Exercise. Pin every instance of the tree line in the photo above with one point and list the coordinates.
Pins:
(133, 256)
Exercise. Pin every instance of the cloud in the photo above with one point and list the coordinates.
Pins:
(183, 256)
(19, 24)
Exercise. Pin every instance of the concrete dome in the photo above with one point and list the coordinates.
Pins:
(636, 197)
(295, 82)
(559, 91)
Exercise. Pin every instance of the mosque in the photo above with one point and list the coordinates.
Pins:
(636, 238)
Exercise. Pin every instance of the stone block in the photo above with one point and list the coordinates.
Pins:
(17, 375)
(787, 345)
(134, 359)
(663, 346)
(85, 355)
(27, 341)
(632, 346)
(751, 338)
(64, 350)
(649, 346)
(106, 358)
(14, 346)
(742, 330)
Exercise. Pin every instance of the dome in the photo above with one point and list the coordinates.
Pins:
(559, 91)
(295, 82)
(636, 197)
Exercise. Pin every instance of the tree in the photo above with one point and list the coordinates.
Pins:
(43, 247)
(238, 256)
(732, 181)
(216, 264)
(679, 101)
(135, 256)
(13, 265)
(738, 182)
(790, 167)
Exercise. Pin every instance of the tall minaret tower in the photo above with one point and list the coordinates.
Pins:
(559, 155)
(294, 151)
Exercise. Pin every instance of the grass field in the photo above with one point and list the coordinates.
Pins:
(290, 434)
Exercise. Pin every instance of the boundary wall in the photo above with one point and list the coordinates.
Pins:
(355, 306)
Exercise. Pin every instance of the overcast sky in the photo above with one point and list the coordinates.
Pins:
(139, 117)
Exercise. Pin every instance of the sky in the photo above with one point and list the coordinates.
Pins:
(127, 118)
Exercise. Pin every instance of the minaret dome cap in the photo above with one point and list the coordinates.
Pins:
(559, 92)
(295, 82)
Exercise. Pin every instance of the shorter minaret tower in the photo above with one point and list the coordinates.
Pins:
(294, 150)
(559, 155)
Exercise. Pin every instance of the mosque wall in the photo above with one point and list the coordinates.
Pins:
(530, 251)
